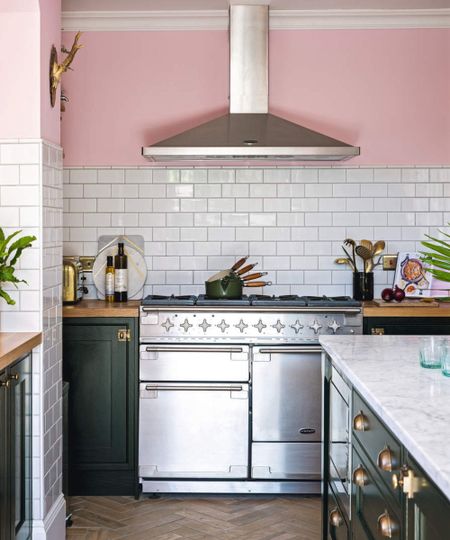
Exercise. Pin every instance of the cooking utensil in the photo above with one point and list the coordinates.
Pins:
(246, 269)
(256, 275)
(365, 254)
(239, 263)
(258, 283)
(352, 243)
(345, 260)
(228, 287)
(349, 258)
(367, 244)
(378, 247)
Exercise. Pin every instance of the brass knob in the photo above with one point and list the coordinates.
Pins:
(396, 481)
(387, 526)
(386, 460)
(5, 383)
(336, 519)
(14, 377)
(360, 422)
(360, 477)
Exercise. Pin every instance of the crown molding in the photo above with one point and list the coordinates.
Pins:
(337, 19)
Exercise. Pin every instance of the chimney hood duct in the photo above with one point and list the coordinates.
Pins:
(248, 131)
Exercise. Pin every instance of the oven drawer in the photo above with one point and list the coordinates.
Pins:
(191, 362)
(286, 461)
(193, 430)
(287, 394)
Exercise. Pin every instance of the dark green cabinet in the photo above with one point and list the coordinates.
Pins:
(390, 494)
(15, 451)
(427, 510)
(100, 363)
(407, 325)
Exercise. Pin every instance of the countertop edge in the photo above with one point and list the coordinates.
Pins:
(410, 444)
(21, 344)
(99, 308)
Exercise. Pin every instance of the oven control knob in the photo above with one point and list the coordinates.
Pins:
(316, 326)
(186, 325)
(297, 326)
(241, 326)
(167, 324)
(334, 325)
(204, 326)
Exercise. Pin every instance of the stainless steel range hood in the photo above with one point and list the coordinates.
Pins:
(249, 132)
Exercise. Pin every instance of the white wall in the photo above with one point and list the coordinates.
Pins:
(292, 221)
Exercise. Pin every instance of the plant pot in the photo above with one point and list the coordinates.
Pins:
(363, 285)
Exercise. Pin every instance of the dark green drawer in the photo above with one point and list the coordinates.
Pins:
(378, 443)
(370, 507)
(337, 524)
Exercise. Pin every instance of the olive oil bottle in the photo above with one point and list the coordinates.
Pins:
(121, 275)
(109, 279)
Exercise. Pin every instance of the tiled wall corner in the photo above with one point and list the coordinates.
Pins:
(31, 200)
(290, 220)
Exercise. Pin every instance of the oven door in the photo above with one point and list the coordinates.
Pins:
(287, 394)
(193, 430)
(191, 362)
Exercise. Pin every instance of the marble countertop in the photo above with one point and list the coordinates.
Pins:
(13, 345)
(413, 402)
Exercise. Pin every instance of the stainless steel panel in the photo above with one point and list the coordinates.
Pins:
(210, 325)
(196, 433)
(211, 486)
(249, 51)
(287, 394)
(194, 363)
(286, 461)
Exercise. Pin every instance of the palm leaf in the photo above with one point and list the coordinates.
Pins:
(5, 295)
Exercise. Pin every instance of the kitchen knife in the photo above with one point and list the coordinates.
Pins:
(256, 275)
(246, 269)
(257, 283)
(238, 263)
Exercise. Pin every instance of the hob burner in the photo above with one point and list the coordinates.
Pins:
(160, 300)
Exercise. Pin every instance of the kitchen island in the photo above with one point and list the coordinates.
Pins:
(399, 433)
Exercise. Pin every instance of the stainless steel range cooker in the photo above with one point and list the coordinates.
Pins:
(231, 391)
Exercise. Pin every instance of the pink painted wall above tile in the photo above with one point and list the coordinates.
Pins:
(384, 90)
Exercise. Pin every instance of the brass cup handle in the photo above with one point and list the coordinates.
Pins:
(386, 460)
(7, 383)
(360, 477)
(336, 519)
(387, 526)
(360, 422)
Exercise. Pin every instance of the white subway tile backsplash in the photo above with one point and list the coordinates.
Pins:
(202, 219)
(9, 175)
(19, 195)
(20, 153)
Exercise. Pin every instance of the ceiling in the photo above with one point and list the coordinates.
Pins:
(183, 5)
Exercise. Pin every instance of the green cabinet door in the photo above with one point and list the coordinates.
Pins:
(101, 369)
(5, 522)
(428, 510)
(21, 447)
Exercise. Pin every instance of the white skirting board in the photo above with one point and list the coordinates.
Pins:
(53, 526)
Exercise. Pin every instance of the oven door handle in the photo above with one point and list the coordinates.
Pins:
(289, 350)
(191, 387)
(183, 348)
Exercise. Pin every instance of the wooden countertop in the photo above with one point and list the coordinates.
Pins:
(100, 308)
(370, 309)
(13, 345)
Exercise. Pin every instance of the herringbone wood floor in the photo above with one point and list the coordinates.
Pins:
(195, 518)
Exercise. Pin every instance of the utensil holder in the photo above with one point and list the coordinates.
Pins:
(363, 285)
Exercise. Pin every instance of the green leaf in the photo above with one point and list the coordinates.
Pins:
(440, 274)
(439, 249)
(2, 235)
(5, 295)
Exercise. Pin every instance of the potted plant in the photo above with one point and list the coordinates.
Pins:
(11, 249)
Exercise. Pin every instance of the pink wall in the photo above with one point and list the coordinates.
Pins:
(19, 69)
(384, 90)
(50, 15)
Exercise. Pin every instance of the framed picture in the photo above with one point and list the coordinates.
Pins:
(412, 277)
